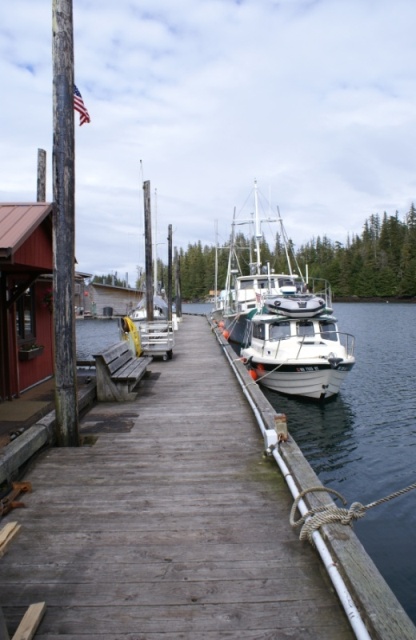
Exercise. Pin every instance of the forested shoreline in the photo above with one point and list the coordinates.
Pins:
(378, 264)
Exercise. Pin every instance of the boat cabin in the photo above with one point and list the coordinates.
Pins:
(249, 288)
(272, 329)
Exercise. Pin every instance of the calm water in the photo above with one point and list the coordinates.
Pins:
(363, 442)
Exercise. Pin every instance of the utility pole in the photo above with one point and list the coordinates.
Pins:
(178, 284)
(63, 161)
(170, 272)
(148, 250)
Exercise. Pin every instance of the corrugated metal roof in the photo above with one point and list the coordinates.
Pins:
(17, 223)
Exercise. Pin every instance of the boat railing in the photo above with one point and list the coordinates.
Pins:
(346, 340)
(321, 288)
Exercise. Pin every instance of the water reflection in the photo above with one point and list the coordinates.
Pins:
(324, 432)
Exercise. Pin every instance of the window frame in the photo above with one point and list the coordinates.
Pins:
(26, 316)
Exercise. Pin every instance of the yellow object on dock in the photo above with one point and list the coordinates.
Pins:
(131, 332)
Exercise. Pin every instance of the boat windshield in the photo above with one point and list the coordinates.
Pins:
(286, 282)
(328, 330)
(246, 284)
(263, 284)
(305, 328)
(279, 331)
(259, 330)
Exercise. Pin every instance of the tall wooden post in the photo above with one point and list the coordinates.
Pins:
(170, 272)
(41, 181)
(66, 400)
(148, 250)
(178, 284)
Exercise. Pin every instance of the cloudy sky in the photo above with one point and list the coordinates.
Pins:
(314, 99)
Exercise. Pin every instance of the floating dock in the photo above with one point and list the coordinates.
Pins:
(172, 523)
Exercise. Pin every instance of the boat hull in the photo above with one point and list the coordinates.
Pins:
(239, 328)
(315, 381)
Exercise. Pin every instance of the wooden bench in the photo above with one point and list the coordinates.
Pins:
(118, 373)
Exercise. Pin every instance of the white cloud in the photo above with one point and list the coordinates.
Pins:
(314, 99)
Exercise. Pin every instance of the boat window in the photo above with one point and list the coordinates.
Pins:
(286, 282)
(246, 284)
(279, 331)
(305, 328)
(258, 330)
(328, 330)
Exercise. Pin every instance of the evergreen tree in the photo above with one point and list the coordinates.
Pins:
(381, 262)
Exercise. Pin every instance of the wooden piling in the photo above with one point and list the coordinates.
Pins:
(148, 250)
(41, 179)
(64, 225)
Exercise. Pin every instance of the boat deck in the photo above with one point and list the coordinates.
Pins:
(172, 524)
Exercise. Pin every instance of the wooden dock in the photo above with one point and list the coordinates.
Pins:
(171, 525)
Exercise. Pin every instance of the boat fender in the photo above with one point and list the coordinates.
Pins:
(225, 334)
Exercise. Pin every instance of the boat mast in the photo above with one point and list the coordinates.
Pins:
(257, 231)
(285, 241)
(286, 244)
(228, 284)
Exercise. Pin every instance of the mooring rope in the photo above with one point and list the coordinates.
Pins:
(315, 518)
(252, 382)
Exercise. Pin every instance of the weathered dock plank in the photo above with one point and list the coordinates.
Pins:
(172, 525)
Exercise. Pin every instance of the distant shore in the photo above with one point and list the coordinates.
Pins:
(392, 299)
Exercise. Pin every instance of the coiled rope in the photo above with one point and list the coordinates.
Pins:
(327, 514)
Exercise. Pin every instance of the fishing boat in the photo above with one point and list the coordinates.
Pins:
(283, 323)
(243, 295)
(300, 356)
(160, 309)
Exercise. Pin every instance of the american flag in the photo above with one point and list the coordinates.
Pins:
(79, 106)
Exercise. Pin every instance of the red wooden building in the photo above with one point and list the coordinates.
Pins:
(26, 266)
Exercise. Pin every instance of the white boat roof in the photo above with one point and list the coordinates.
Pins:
(266, 276)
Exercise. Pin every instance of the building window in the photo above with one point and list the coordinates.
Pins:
(25, 316)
